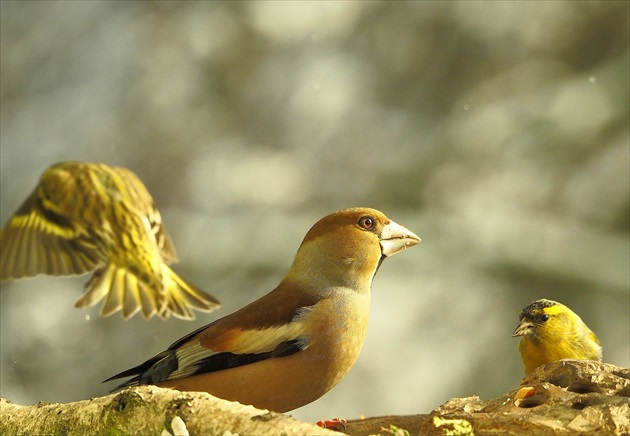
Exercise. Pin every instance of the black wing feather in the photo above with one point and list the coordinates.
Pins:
(160, 366)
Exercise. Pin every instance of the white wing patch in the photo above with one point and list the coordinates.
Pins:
(249, 342)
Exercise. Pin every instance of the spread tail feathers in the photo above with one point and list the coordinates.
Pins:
(126, 291)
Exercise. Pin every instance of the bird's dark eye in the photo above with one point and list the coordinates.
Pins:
(544, 317)
(367, 222)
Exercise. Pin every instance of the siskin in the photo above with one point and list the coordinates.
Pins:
(551, 331)
(86, 217)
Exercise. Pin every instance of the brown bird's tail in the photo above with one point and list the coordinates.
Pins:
(126, 291)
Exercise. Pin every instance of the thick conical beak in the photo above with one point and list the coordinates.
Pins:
(395, 238)
(525, 327)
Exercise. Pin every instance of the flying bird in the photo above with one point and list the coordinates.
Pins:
(85, 217)
(291, 346)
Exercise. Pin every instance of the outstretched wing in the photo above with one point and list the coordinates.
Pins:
(39, 240)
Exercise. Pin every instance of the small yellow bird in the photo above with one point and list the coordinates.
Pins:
(86, 217)
(551, 331)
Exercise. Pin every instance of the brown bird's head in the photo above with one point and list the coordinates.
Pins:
(347, 247)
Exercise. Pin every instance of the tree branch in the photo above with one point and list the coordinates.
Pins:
(563, 397)
(148, 410)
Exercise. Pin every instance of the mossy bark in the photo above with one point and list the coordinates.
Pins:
(564, 397)
(148, 410)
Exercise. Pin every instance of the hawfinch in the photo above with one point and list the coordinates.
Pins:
(86, 217)
(291, 346)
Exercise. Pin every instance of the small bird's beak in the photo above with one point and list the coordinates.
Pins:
(395, 238)
(524, 328)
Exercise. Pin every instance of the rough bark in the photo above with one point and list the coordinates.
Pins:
(564, 397)
(148, 410)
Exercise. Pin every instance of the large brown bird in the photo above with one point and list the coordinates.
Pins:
(291, 346)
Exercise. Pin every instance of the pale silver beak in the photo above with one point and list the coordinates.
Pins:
(524, 328)
(396, 238)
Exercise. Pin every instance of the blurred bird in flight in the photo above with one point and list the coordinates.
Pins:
(291, 346)
(551, 331)
(85, 217)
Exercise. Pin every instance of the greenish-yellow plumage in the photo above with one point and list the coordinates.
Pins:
(86, 217)
(551, 331)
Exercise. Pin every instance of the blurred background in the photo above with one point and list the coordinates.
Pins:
(497, 131)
